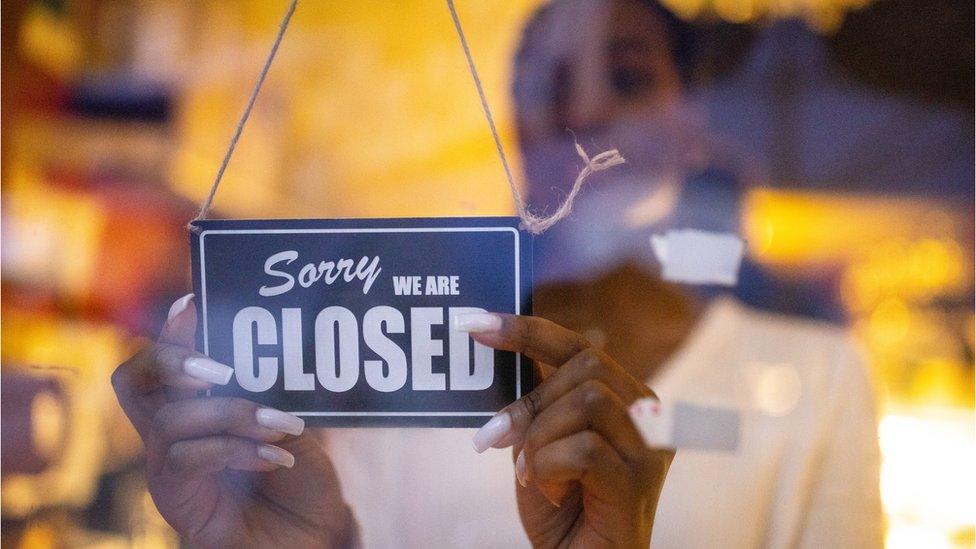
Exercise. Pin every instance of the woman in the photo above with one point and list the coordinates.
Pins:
(226, 472)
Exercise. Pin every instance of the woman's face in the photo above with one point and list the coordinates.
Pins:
(626, 72)
(609, 80)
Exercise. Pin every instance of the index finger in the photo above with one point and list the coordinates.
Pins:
(139, 382)
(165, 365)
(534, 337)
(508, 426)
(170, 364)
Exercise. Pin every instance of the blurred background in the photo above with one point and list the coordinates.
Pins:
(857, 116)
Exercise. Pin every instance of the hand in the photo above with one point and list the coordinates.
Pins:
(586, 478)
(226, 472)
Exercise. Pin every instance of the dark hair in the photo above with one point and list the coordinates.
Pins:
(682, 38)
(703, 51)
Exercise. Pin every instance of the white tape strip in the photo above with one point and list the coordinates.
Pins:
(681, 425)
(698, 257)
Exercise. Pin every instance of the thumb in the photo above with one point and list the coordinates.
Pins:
(181, 323)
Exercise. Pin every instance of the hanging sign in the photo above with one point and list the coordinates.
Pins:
(348, 322)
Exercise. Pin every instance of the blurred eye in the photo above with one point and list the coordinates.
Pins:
(561, 87)
(631, 82)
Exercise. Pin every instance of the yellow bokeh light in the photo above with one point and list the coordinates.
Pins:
(734, 11)
(889, 322)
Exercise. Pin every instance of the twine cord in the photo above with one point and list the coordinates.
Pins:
(208, 203)
(533, 223)
(516, 194)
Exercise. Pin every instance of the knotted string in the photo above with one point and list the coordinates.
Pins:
(538, 224)
(531, 222)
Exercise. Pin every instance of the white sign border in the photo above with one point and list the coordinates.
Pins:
(518, 300)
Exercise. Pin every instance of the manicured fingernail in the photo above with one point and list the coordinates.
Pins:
(646, 414)
(645, 407)
(493, 431)
(477, 322)
(282, 422)
(179, 306)
(520, 472)
(208, 370)
(276, 455)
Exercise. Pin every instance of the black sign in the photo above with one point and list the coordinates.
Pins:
(349, 321)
